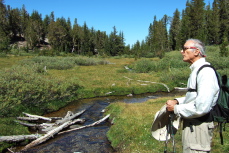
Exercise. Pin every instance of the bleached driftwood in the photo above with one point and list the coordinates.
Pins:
(49, 135)
(37, 116)
(28, 124)
(179, 88)
(148, 82)
(17, 138)
(93, 124)
(69, 117)
(53, 126)
(27, 118)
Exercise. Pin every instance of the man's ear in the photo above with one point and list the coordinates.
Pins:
(197, 52)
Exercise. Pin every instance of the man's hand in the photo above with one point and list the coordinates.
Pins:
(170, 105)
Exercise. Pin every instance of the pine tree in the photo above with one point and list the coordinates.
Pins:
(14, 21)
(76, 30)
(224, 18)
(45, 25)
(224, 49)
(57, 35)
(4, 28)
(23, 20)
(197, 19)
(35, 20)
(212, 24)
(85, 48)
(185, 31)
(174, 31)
(31, 35)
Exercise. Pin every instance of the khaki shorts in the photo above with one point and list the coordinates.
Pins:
(197, 136)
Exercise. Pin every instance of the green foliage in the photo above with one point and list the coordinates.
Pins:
(144, 66)
(171, 60)
(22, 88)
(224, 49)
(4, 42)
(28, 86)
(177, 76)
(13, 129)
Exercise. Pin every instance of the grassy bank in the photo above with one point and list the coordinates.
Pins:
(131, 131)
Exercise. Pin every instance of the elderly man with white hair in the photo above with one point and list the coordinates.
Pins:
(194, 108)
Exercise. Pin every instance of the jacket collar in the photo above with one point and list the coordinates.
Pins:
(198, 63)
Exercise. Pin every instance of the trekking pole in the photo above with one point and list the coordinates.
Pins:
(172, 132)
(167, 139)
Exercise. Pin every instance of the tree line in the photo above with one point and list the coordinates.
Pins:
(208, 23)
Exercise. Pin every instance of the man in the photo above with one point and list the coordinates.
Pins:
(195, 106)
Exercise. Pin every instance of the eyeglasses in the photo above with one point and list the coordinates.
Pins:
(185, 48)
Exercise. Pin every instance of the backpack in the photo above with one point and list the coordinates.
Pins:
(220, 112)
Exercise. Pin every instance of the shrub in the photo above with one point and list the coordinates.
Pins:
(85, 61)
(175, 76)
(144, 66)
(21, 89)
(61, 63)
(50, 62)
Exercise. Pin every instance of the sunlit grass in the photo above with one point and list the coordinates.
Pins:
(6, 62)
(131, 129)
(106, 76)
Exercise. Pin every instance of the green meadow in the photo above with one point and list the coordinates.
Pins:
(40, 84)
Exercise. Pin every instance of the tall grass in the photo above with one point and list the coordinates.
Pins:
(62, 63)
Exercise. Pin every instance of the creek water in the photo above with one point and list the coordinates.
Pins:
(91, 139)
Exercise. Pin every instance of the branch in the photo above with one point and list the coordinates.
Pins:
(17, 138)
(36, 116)
(93, 124)
(150, 82)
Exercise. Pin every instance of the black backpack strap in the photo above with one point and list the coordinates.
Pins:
(208, 117)
(207, 65)
(224, 81)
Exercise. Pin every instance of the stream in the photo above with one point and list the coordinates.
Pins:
(91, 139)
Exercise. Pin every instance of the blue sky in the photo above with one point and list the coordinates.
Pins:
(132, 17)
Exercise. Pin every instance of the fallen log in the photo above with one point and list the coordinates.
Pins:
(56, 118)
(179, 88)
(48, 135)
(53, 126)
(69, 117)
(93, 124)
(37, 116)
(18, 138)
(36, 119)
(28, 124)
(28, 118)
